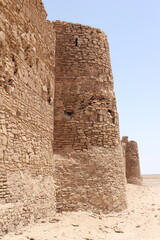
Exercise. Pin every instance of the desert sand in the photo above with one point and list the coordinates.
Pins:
(141, 220)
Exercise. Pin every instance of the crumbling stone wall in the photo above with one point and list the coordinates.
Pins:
(86, 118)
(35, 55)
(26, 93)
(131, 156)
(85, 104)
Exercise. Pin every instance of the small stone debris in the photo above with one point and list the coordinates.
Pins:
(43, 221)
(75, 225)
(106, 226)
(102, 229)
(93, 216)
(54, 220)
(138, 226)
(118, 230)
(18, 233)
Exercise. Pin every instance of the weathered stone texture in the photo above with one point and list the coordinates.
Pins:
(86, 118)
(131, 156)
(85, 104)
(90, 180)
(26, 93)
(56, 93)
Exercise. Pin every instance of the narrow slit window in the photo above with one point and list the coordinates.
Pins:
(76, 42)
(68, 113)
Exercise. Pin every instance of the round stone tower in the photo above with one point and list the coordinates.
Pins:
(86, 120)
(85, 104)
(131, 156)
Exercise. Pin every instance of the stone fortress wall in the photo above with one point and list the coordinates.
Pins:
(59, 124)
(85, 104)
(86, 120)
(27, 189)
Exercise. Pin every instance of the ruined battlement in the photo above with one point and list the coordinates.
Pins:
(132, 163)
(59, 128)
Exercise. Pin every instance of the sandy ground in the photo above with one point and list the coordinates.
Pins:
(141, 221)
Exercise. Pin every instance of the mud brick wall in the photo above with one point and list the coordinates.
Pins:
(131, 156)
(26, 93)
(86, 117)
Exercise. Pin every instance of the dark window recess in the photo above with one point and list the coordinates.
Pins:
(15, 64)
(37, 62)
(49, 94)
(112, 115)
(76, 42)
(49, 100)
(10, 82)
(68, 113)
(100, 98)
(110, 111)
(15, 71)
(18, 113)
(13, 58)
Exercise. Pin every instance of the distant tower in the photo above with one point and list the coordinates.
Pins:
(133, 173)
(86, 116)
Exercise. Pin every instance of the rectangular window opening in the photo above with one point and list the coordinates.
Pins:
(76, 42)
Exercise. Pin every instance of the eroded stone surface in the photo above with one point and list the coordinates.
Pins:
(57, 114)
(131, 156)
(86, 121)
(27, 189)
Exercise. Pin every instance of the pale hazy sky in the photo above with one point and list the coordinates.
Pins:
(133, 30)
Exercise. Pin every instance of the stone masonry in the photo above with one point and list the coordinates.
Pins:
(131, 156)
(86, 122)
(27, 189)
(60, 148)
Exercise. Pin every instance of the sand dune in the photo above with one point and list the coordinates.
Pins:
(141, 221)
